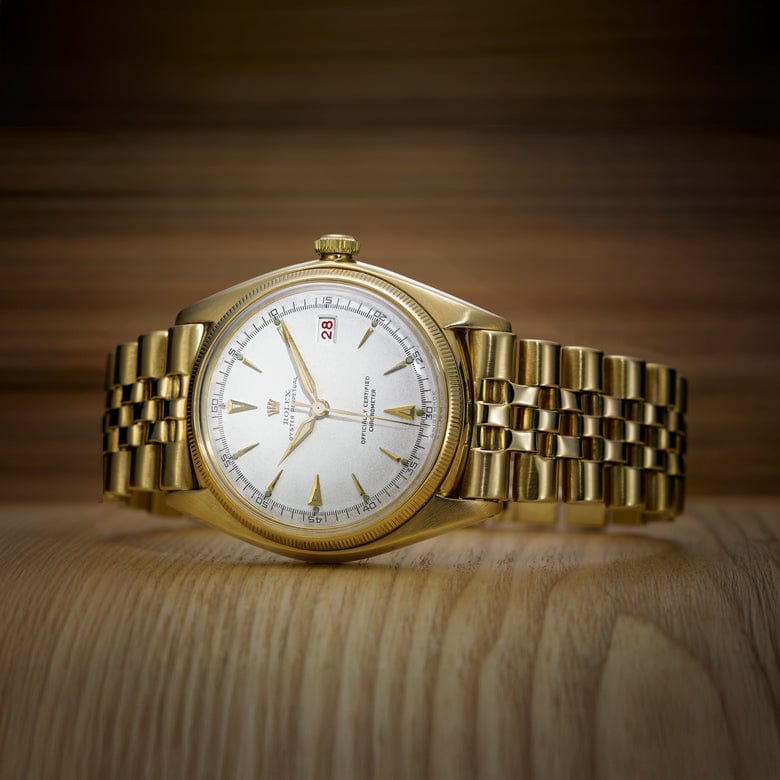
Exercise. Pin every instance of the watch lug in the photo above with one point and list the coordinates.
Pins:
(213, 308)
(438, 516)
(203, 505)
(448, 311)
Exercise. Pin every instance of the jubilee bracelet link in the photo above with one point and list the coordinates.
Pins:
(569, 430)
(145, 450)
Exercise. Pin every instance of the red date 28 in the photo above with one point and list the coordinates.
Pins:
(327, 329)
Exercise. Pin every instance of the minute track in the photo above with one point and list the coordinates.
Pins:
(351, 382)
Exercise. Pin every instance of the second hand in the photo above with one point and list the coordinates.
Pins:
(300, 404)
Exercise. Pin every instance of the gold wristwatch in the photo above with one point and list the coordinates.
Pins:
(335, 410)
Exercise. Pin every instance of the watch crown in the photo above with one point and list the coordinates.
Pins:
(336, 244)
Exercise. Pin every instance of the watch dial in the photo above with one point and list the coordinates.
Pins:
(321, 406)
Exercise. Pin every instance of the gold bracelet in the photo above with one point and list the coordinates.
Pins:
(145, 449)
(574, 432)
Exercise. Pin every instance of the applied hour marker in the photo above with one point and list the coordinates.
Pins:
(315, 497)
(370, 330)
(248, 363)
(272, 485)
(362, 493)
(393, 456)
(244, 450)
(398, 366)
(272, 407)
(233, 407)
(404, 412)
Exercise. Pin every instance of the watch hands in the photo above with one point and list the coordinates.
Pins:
(345, 413)
(307, 380)
(317, 410)
(304, 430)
(310, 387)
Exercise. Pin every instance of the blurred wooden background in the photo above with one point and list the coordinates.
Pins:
(600, 175)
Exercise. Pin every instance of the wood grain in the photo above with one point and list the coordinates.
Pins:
(137, 647)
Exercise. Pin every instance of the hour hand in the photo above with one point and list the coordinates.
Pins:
(304, 429)
(307, 380)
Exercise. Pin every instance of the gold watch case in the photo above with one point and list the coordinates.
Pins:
(428, 510)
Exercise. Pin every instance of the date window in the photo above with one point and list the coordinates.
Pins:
(326, 332)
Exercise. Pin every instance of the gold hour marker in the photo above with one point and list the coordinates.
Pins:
(393, 456)
(370, 330)
(404, 412)
(233, 407)
(362, 493)
(237, 455)
(249, 364)
(272, 407)
(315, 497)
(398, 366)
(272, 485)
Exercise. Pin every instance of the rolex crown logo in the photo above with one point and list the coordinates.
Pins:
(272, 407)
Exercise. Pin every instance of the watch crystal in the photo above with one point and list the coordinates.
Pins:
(321, 406)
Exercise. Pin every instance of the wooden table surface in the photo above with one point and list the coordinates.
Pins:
(134, 646)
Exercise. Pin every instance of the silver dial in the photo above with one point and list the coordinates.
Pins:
(322, 406)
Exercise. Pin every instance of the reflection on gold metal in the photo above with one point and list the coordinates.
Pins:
(393, 456)
(183, 344)
(606, 431)
(249, 364)
(234, 407)
(315, 497)
(272, 485)
(243, 451)
(405, 412)
(272, 407)
(398, 366)
(362, 493)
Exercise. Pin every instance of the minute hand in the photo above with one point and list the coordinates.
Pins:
(360, 415)
(307, 380)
